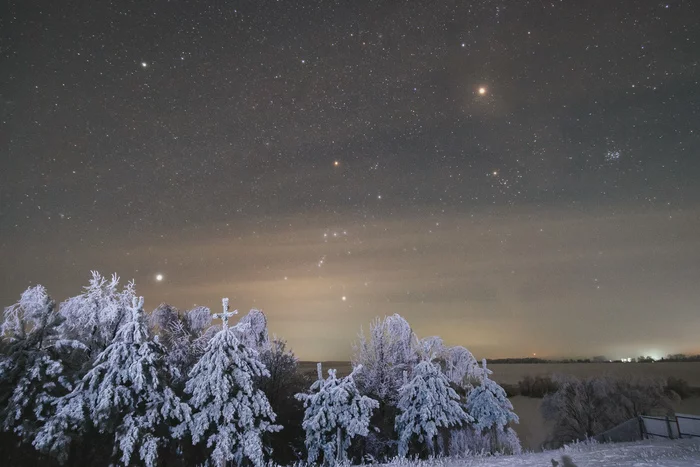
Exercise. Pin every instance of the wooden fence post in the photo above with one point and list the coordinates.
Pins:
(642, 429)
(668, 428)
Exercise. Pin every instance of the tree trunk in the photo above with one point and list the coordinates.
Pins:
(338, 447)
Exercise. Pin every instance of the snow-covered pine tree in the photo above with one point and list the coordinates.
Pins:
(32, 376)
(382, 357)
(229, 413)
(335, 413)
(488, 404)
(426, 404)
(126, 395)
(95, 316)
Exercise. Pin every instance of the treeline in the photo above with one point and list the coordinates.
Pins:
(599, 359)
(534, 360)
(540, 386)
(680, 358)
(98, 381)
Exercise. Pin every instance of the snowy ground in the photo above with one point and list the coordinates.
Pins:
(657, 453)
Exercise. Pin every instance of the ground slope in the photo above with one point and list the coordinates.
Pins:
(657, 453)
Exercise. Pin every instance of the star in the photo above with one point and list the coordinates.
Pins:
(159, 277)
(144, 65)
(344, 298)
(482, 91)
(336, 163)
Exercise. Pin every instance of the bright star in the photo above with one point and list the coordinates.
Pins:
(159, 277)
(344, 298)
(482, 91)
(336, 163)
(144, 64)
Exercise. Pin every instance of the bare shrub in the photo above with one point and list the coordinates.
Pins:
(583, 408)
(538, 387)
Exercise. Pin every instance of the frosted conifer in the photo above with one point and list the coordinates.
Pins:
(426, 404)
(335, 413)
(126, 394)
(229, 413)
(31, 373)
(488, 404)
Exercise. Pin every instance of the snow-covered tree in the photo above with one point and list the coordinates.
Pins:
(229, 413)
(184, 335)
(431, 348)
(335, 413)
(426, 404)
(460, 366)
(32, 376)
(253, 328)
(126, 395)
(95, 316)
(382, 357)
(491, 410)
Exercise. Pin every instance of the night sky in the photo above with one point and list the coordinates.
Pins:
(517, 177)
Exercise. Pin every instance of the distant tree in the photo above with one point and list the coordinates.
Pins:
(679, 387)
(492, 412)
(335, 413)
(126, 395)
(427, 404)
(539, 386)
(229, 413)
(32, 375)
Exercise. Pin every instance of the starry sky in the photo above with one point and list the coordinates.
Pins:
(517, 177)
